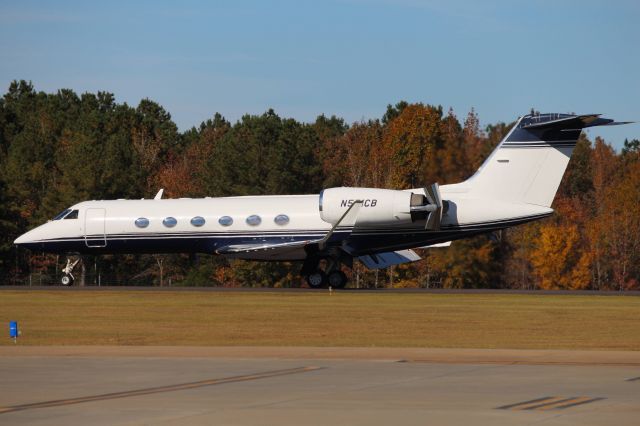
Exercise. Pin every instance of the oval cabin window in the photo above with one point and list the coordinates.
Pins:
(142, 222)
(225, 221)
(254, 220)
(170, 222)
(197, 221)
(281, 219)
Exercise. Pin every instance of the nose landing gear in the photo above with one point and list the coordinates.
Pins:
(67, 277)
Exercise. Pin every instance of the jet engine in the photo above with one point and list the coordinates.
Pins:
(383, 206)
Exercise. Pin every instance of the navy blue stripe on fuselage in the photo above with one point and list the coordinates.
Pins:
(362, 241)
(313, 233)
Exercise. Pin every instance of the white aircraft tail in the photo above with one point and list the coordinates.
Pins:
(528, 165)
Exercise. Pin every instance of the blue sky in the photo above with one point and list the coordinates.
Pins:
(350, 57)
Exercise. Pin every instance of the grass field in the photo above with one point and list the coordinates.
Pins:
(318, 319)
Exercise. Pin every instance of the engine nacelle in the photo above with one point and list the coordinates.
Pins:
(379, 206)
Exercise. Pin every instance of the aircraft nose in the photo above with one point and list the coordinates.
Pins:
(31, 240)
(40, 238)
(22, 239)
(25, 239)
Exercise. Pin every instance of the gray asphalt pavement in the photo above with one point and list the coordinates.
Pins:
(52, 390)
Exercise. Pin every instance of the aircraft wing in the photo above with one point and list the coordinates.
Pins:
(290, 249)
(382, 260)
(262, 246)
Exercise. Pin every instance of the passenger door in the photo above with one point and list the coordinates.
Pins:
(94, 228)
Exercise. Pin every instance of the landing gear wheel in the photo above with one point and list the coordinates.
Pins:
(337, 279)
(66, 280)
(317, 279)
(67, 277)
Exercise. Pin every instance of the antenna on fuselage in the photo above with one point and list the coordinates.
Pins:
(159, 194)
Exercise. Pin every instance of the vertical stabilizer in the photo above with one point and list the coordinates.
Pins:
(528, 165)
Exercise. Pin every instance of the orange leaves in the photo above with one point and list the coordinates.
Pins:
(556, 258)
(407, 143)
(594, 238)
(183, 173)
(355, 158)
(414, 146)
(619, 225)
(179, 175)
(27, 209)
(604, 164)
(468, 263)
(561, 258)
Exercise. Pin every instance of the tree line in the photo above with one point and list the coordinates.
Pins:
(57, 149)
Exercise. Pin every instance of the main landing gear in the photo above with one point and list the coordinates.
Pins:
(331, 276)
(317, 279)
(67, 276)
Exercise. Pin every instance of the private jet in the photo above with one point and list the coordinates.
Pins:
(379, 227)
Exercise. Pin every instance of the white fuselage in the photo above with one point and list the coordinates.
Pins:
(110, 226)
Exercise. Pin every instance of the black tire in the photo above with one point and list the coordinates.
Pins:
(337, 279)
(317, 279)
(66, 280)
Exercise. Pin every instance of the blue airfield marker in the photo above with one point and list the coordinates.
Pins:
(13, 330)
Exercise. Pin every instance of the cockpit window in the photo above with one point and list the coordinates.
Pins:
(61, 214)
(72, 215)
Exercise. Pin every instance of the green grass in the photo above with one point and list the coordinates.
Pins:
(318, 319)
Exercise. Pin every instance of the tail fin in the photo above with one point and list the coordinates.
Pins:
(527, 166)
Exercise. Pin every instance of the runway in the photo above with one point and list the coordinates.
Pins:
(481, 291)
(318, 386)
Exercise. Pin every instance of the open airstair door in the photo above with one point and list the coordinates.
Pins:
(94, 228)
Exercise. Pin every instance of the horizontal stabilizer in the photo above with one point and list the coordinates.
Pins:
(570, 122)
(617, 123)
(382, 260)
(445, 244)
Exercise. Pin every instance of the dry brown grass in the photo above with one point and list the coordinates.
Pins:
(317, 319)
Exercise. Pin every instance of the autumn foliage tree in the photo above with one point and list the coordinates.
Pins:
(60, 148)
(559, 260)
